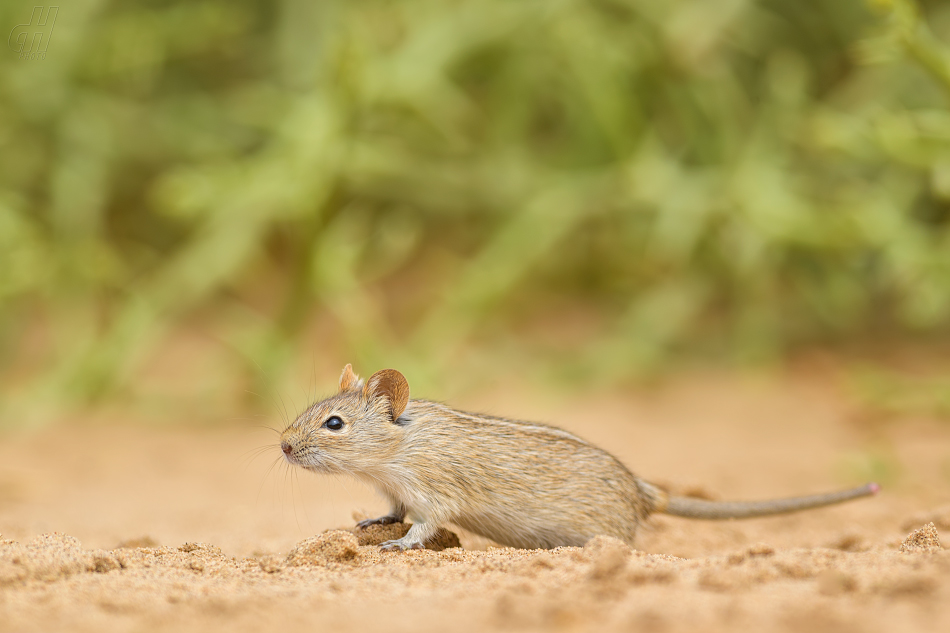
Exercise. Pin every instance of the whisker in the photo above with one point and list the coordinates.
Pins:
(286, 415)
(293, 498)
(313, 378)
(285, 468)
(292, 403)
(248, 457)
(283, 413)
(306, 515)
(264, 478)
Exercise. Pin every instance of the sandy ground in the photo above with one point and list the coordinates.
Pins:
(128, 527)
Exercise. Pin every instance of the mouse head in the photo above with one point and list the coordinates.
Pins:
(355, 431)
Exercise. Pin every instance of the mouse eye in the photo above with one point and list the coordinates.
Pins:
(334, 423)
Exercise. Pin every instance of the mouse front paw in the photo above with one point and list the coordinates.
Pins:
(385, 520)
(400, 545)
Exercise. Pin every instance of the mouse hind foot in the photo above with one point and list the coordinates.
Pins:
(389, 519)
(396, 514)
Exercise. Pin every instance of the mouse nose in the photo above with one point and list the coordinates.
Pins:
(286, 447)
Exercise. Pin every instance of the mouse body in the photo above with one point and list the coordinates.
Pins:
(520, 484)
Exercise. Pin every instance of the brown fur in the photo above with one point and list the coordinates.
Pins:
(518, 483)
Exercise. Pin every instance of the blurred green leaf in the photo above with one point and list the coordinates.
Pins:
(731, 178)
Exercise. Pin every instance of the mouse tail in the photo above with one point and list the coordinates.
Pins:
(700, 509)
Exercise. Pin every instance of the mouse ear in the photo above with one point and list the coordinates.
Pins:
(393, 386)
(349, 380)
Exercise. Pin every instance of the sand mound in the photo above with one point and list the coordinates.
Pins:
(377, 534)
(924, 539)
(331, 547)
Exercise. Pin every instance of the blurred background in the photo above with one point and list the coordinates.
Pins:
(202, 202)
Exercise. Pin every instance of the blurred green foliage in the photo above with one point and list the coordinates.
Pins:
(713, 177)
